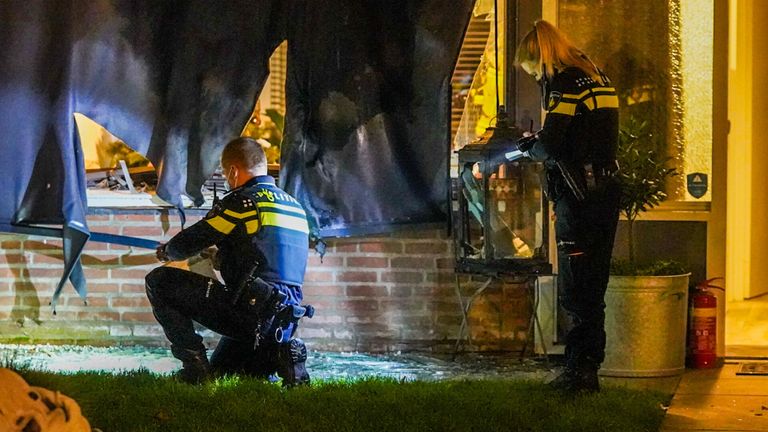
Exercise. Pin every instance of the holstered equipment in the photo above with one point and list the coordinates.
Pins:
(277, 321)
(585, 179)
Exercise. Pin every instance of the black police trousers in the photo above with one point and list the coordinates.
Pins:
(179, 297)
(584, 231)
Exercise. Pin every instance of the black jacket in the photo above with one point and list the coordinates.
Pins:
(582, 121)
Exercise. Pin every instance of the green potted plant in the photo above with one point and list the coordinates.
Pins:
(646, 305)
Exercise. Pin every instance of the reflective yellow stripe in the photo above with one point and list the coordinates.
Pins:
(603, 101)
(252, 226)
(237, 215)
(220, 224)
(595, 90)
(282, 207)
(566, 108)
(285, 221)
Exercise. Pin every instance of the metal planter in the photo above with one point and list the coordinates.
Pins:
(645, 325)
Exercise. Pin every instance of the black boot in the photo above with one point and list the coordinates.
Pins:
(195, 367)
(582, 380)
(291, 357)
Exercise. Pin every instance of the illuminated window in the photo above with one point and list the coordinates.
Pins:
(659, 54)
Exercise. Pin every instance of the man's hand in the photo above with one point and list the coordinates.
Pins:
(212, 254)
(161, 254)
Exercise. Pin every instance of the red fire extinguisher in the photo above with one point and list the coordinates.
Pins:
(702, 326)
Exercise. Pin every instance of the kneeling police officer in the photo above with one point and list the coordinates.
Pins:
(261, 234)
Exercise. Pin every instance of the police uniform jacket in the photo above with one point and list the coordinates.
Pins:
(581, 125)
(257, 224)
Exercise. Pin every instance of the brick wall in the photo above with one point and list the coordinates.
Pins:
(386, 293)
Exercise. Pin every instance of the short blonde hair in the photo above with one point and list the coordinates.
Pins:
(549, 48)
(245, 152)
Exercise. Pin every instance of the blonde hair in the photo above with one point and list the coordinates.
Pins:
(549, 48)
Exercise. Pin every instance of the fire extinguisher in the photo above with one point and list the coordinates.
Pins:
(702, 325)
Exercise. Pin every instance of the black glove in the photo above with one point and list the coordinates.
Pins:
(161, 254)
(526, 143)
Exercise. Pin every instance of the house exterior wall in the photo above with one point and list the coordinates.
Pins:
(385, 293)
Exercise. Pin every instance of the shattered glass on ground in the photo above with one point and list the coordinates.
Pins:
(321, 365)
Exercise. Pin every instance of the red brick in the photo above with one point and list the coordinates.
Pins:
(420, 234)
(98, 218)
(358, 305)
(93, 301)
(17, 287)
(33, 300)
(367, 291)
(48, 244)
(318, 276)
(10, 244)
(436, 248)
(328, 261)
(100, 260)
(118, 248)
(329, 290)
(107, 229)
(98, 316)
(413, 262)
(368, 262)
(47, 272)
(402, 305)
(96, 273)
(143, 231)
(48, 258)
(103, 287)
(14, 273)
(382, 247)
(415, 322)
(345, 247)
(146, 259)
(357, 276)
(132, 287)
(129, 273)
(402, 277)
(449, 320)
(7, 300)
(12, 258)
(136, 217)
(95, 246)
(133, 302)
(145, 317)
(367, 318)
(322, 306)
(446, 263)
(448, 305)
(442, 278)
(400, 291)
(377, 329)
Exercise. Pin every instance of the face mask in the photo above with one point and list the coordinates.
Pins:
(227, 186)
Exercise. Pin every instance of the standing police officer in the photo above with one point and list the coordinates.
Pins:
(261, 234)
(578, 145)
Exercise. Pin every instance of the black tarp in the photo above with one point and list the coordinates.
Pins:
(368, 110)
(367, 92)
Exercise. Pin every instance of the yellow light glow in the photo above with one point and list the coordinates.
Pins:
(697, 39)
(101, 149)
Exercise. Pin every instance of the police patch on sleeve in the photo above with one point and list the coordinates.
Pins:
(554, 100)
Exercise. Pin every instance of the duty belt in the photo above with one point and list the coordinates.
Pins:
(591, 174)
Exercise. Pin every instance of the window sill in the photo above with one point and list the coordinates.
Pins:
(100, 198)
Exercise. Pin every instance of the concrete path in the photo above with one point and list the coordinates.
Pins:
(719, 400)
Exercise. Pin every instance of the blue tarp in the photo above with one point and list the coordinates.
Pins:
(368, 90)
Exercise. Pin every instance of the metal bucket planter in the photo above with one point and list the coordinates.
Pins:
(645, 325)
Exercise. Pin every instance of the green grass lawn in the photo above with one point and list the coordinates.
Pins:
(141, 401)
